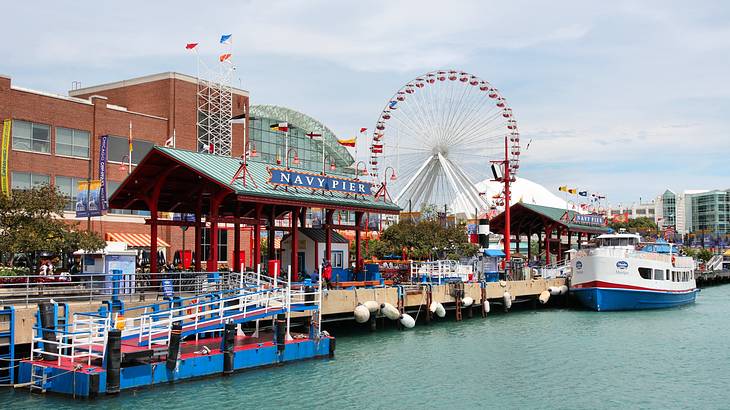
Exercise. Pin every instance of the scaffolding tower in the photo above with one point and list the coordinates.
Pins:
(215, 108)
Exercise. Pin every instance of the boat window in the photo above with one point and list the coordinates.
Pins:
(658, 274)
(645, 273)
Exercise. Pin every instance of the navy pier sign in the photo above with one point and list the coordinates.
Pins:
(314, 181)
(589, 219)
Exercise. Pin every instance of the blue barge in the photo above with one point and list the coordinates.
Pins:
(117, 349)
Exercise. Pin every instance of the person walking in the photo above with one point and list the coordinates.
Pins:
(327, 274)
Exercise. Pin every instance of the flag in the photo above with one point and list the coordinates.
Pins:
(363, 130)
(282, 126)
(210, 148)
(131, 148)
(191, 46)
(224, 57)
(313, 135)
(378, 136)
(583, 193)
(226, 38)
(170, 142)
(572, 191)
(392, 104)
(348, 142)
(238, 119)
(563, 188)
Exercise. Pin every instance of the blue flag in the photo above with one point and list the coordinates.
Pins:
(226, 38)
(392, 104)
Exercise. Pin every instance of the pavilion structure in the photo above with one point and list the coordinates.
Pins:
(205, 186)
(550, 225)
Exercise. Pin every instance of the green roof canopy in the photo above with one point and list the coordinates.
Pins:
(531, 218)
(191, 176)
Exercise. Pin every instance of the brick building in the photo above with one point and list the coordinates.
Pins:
(55, 140)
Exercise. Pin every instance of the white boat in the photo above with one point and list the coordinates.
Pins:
(622, 273)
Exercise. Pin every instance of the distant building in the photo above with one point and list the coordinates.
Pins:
(692, 211)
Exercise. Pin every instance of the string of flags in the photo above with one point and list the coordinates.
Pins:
(281, 126)
(593, 196)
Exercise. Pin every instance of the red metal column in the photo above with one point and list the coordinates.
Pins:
(507, 222)
(237, 247)
(272, 234)
(294, 217)
(548, 234)
(328, 233)
(198, 236)
(215, 202)
(256, 258)
(153, 237)
(358, 255)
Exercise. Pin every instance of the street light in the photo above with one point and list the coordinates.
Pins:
(358, 170)
(295, 159)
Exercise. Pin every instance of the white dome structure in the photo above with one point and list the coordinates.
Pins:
(523, 190)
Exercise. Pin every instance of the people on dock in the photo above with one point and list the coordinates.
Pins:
(327, 274)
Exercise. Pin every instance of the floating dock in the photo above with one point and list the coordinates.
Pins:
(106, 352)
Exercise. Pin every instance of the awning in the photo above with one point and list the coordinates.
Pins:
(137, 240)
(494, 253)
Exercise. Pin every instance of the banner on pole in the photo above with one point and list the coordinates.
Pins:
(103, 150)
(4, 146)
(88, 199)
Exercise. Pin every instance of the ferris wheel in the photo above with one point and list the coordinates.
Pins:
(435, 138)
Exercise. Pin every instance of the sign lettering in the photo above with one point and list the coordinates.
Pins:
(325, 182)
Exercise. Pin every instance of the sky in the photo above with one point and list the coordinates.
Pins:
(625, 98)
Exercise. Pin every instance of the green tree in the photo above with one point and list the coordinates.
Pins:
(423, 240)
(642, 225)
(30, 221)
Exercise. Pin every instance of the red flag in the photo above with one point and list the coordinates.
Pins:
(224, 57)
(191, 46)
(363, 130)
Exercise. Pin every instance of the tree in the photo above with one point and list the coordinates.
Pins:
(423, 240)
(642, 225)
(30, 222)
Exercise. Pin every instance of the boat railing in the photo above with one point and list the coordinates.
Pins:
(560, 269)
(440, 270)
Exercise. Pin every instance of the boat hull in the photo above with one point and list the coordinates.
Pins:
(615, 298)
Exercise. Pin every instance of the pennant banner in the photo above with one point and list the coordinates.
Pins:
(103, 150)
(348, 142)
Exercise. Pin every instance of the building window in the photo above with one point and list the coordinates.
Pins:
(71, 142)
(111, 187)
(28, 180)
(68, 187)
(338, 259)
(119, 149)
(222, 245)
(29, 136)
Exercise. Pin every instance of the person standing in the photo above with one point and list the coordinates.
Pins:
(327, 274)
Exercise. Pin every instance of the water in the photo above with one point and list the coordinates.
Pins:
(550, 358)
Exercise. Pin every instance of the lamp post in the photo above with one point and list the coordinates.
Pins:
(357, 169)
(332, 165)
(126, 163)
(296, 157)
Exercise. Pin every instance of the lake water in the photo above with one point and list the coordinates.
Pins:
(548, 358)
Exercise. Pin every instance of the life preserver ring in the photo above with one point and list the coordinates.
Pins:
(674, 261)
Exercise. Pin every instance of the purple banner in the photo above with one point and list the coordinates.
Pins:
(103, 149)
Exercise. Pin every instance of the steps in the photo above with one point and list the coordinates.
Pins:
(7, 338)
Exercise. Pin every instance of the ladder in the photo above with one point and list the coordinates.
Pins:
(7, 338)
(38, 378)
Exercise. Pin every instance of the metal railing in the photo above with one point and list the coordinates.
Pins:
(85, 342)
(32, 289)
(440, 271)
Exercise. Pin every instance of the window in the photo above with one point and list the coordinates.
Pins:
(28, 180)
(74, 143)
(658, 274)
(222, 245)
(67, 186)
(119, 149)
(29, 136)
(645, 273)
(338, 259)
(674, 276)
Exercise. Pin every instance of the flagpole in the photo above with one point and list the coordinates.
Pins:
(323, 155)
(286, 141)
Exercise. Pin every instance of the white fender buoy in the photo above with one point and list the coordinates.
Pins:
(389, 311)
(440, 310)
(503, 283)
(467, 301)
(554, 290)
(407, 320)
(372, 306)
(362, 314)
(433, 307)
(507, 300)
(544, 297)
(486, 306)
(563, 290)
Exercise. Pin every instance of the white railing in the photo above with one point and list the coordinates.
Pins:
(440, 270)
(556, 270)
(83, 344)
